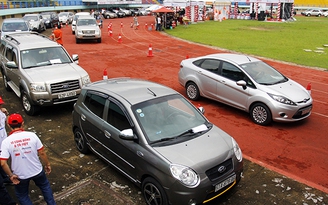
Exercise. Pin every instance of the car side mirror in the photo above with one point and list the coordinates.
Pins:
(127, 135)
(242, 83)
(75, 58)
(11, 64)
(201, 109)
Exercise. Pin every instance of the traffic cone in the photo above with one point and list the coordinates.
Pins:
(187, 56)
(110, 33)
(146, 26)
(105, 75)
(66, 24)
(308, 88)
(121, 24)
(150, 51)
(119, 38)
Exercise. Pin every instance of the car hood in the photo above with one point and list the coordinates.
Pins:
(210, 148)
(55, 73)
(87, 27)
(290, 89)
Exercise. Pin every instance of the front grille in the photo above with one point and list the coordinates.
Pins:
(89, 32)
(305, 111)
(216, 172)
(64, 86)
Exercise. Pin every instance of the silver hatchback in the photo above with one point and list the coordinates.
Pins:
(157, 139)
(248, 84)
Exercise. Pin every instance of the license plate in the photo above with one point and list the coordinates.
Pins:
(306, 111)
(225, 183)
(66, 94)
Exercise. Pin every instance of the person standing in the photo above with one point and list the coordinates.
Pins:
(25, 148)
(135, 21)
(5, 198)
(58, 35)
(158, 23)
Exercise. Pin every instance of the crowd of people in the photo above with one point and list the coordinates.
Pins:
(24, 149)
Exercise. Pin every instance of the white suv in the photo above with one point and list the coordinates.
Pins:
(87, 28)
(40, 71)
(76, 16)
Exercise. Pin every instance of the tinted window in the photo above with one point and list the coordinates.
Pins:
(95, 103)
(117, 118)
(231, 72)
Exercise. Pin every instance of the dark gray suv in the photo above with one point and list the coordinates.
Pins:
(157, 139)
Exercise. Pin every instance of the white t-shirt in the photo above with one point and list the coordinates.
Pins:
(3, 133)
(22, 147)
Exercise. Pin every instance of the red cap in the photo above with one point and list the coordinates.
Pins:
(15, 119)
(1, 101)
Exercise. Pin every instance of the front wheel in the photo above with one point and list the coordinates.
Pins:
(28, 107)
(192, 91)
(261, 114)
(80, 141)
(153, 192)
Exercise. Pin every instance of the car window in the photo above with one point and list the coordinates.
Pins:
(44, 56)
(9, 53)
(211, 65)
(231, 72)
(95, 103)
(116, 117)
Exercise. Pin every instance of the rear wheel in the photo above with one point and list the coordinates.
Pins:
(28, 107)
(261, 114)
(80, 141)
(153, 192)
(99, 40)
(192, 91)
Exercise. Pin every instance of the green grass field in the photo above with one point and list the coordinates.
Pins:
(303, 42)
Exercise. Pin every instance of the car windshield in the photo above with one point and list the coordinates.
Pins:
(86, 22)
(44, 56)
(30, 18)
(63, 14)
(46, 16)
(169, 117)
(16, 26)
(263, 73)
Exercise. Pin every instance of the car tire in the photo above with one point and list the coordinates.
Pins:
(153, 192)
(28, 107)
(99, 40)
(261, 114)
(308, 15)
(77, 41)
(192, 91)
(80, 141)
(5, 82)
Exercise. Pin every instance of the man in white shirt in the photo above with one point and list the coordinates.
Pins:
(25, 148)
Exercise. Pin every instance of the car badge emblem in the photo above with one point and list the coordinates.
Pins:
(66, 86)
(221, 169)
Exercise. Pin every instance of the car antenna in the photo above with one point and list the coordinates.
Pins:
(248, 58)
(151, 92)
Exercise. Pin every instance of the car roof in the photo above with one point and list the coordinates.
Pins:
(236, 58)
(14, 20)
(86, 17)
(132, 90)
(30, 40)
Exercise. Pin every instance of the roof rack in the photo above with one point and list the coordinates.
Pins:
(11, 37)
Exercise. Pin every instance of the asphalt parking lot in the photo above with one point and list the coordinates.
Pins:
(85, 179)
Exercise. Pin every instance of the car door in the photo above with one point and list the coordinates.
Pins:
(124, 153)
(227, 89)
(13, 74)
(92, 119)
(207, 75)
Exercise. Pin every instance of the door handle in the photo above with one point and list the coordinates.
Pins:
(107, 134)
(83, 117)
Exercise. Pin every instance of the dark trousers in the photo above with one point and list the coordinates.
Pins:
(5, 198)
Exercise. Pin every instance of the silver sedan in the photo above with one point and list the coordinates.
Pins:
(248, 84)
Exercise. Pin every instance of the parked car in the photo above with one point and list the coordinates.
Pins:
(126, 11)
(325, 14)
(157, 139)
(40, 71)
(50, 19)
(312, 12)
(119, 13)
(109, 14)
(12, 25)
(65, 17)
(76, 16)
(35, 22)
(87, 28)
(248, 84)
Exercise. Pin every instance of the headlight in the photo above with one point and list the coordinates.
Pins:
(281, 99)
(38, 87)
(237, 150)
(47, 21)
(85, 80)
(79, 32)
(97, 32)
(185, 175)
